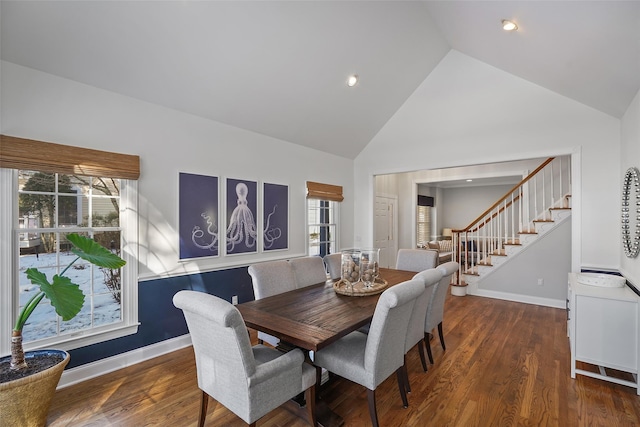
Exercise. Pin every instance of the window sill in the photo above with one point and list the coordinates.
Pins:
(83, 338)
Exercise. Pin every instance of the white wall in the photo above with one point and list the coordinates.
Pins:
(630, 157)
(548, 258)
(44, 107)
(386, 184)
(463, 205)
(467, 112)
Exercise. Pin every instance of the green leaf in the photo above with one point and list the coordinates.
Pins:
(65, 296)
(89, 250)
(36, 277)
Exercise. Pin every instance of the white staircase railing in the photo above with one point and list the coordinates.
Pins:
(512, 216)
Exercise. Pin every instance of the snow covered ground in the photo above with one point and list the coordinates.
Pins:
(100, 307)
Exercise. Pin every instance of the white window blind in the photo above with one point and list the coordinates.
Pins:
(423, 226)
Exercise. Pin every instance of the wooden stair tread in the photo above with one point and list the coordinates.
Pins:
(560, 209)
(543, 220)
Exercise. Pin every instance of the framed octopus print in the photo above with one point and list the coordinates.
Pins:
(198, 215)
(242, 207)
(275, 217)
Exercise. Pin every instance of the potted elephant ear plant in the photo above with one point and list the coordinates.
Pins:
(28, 381)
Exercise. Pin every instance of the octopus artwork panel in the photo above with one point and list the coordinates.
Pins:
(242, 207)
(275, 217)
(198, 216)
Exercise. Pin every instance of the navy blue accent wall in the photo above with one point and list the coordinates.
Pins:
(159, 319)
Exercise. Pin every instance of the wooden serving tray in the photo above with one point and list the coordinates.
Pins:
(358, 289)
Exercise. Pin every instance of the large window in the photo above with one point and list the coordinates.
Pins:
(38, 209)
(321, 220)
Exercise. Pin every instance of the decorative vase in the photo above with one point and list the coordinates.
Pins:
(350, 268)
(25, 402)
(369, 266)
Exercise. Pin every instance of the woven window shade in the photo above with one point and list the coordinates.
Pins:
(29, 154)
(316, 190)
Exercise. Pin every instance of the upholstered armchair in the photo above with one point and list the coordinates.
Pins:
(415, 331)
(271, 278)
(416, 259)
(333, 263)
(249, 381)
(308, 270)
(369, 359)
(435, 312)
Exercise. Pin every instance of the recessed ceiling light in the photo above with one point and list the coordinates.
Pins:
(509, 25)
(352, 80)
(469, 180)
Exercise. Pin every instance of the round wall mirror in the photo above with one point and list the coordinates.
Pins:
(631, 212)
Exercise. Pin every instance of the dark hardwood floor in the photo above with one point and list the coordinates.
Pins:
(506, 364)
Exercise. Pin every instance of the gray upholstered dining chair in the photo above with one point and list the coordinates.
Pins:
(308, 270)
(435, 312)
(249, 381)
(416, 259)
(369, 359)
(271, 278)
(333, 264)
(415, 332)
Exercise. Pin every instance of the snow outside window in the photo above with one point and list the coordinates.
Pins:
(39, 210)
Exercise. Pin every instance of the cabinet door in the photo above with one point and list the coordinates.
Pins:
(606, 332)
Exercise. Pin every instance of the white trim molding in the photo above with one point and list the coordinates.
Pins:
(104, 366)
(526, 299)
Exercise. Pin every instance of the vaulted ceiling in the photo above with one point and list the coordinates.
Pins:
(279, 68)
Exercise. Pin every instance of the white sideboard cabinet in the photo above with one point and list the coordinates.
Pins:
(603, 330)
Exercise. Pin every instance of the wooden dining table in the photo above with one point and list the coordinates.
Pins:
(315, 316)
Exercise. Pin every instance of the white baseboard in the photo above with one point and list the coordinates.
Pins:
(527, 299)
(104, 366)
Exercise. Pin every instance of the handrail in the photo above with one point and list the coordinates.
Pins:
(502, 209)
(520, 184)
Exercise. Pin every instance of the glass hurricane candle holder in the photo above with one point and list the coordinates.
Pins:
(350, 266)
(369, 266)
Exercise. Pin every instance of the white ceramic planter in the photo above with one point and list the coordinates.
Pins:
(459, 291)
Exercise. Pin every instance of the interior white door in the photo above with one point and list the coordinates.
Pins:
(385, 230)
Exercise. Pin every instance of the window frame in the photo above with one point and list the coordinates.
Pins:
(335, 207)
(9, 290)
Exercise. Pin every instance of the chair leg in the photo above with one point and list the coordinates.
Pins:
(373, 413)
(204, 402)
(318, 379)
(421, 352)
(428, 345)
(441, 335)
(310, 396)
(400, 373)
(405, 377)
